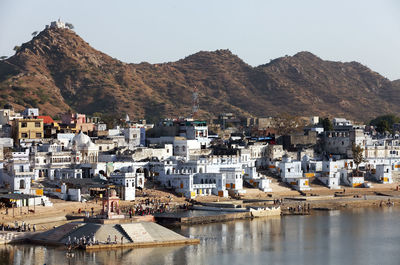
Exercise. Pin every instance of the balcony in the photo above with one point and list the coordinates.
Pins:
(204, 186)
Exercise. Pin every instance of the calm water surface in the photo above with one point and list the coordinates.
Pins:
(362, 236)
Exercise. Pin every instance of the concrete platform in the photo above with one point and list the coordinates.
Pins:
(138, 234)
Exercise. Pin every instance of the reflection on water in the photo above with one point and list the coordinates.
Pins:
(361, 236)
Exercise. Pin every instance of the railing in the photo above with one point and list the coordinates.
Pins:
(204, 186)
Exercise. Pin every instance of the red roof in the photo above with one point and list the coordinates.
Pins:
(46, 119)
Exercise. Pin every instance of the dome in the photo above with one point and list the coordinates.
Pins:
(81, 140)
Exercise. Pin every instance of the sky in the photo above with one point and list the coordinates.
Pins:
(367, 31)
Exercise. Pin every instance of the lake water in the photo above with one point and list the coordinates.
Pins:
(362, 236)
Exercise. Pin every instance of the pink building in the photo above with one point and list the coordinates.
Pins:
(73, 118)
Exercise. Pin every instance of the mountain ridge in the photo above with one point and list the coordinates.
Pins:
(58, 71)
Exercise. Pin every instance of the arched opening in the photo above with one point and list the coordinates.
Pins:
(168, 172)
(113, 207)
(22, 184)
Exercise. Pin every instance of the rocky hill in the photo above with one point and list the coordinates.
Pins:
(57, 71)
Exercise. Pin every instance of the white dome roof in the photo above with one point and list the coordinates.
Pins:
(81, 140)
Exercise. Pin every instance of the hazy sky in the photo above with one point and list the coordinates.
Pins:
(256, 30)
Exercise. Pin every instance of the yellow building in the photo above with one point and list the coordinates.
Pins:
(28, 129)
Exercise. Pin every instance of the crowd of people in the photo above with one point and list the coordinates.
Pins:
(148, 206)
(18, 227)
(90, 240)
(305, 208)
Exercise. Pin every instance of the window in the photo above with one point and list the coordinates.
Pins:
(22, 184)
(23, 125)
(24, 135)
(38, 135)
(37, 124)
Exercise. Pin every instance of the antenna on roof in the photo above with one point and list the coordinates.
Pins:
(195, 102)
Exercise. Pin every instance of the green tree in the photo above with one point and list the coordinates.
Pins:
(384, 123)
(383, 126)
(358, 157)
(16, 48)
(3, 57)
(34, 33)
(8, 106)
(327, 124)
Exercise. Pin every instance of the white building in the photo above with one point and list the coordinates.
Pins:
(314, 120)
(16, 175)
(47, 158)
(292, 173)
(182, 146)
(234, 178)
(290, 169)
(29, 112)
(351, 179)
(89, 151)
(252, 177)
(341, 122)
(127, 183)
(330, 175)
(202, 184)
(8, 115)
(383, 174)
(58, 24)
(134, 137)
(195, 130)
(68, 173)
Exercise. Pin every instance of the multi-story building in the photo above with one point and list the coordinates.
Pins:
(8, 115)
(28, 130)
(17, 173)
(341, 142)
(126, 182)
